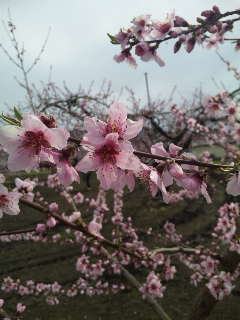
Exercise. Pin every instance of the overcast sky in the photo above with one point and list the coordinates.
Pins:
(79, 50)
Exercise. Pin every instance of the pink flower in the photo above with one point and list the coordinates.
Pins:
(53, 207)
(95, 227)
(220, 285)
(24, 185)
(153, 286)
(163, 175)
(212, 105)
(9, 201)
(107, 158)
(162, 179)
(117, 123)
(79, 197)
(20, 307)
(144, 173)
(174, 169)
(40, 228)
(122, 37)
(141, 26)
(194, 183)
(125, 55)
(147, 53)
(27, 145)
(161, 29)
(51, 222)
(67, 174)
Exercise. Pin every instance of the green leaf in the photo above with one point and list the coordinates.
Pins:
(10, 120)
(113, 39)
(17, 114)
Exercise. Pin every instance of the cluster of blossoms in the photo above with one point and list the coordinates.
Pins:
(37, 139)
(110, 151)
(146, 34)
(110, 154)
(153, 286)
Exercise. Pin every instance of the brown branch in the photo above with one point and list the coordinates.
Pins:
(9, 233)
(182, 161)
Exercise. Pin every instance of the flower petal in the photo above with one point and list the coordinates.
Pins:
(133, 128)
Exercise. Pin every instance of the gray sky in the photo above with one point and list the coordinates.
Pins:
(79, 50)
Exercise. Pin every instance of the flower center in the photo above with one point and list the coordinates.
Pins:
(35, 140)
(108, 153)
(3, 200)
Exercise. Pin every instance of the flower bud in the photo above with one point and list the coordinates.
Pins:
(40, 228)
(180, 22)
(177, 46)
(164, 28)
(51, 222)
(190, 44)
(207, 13)
(53, 207)
(216, 9)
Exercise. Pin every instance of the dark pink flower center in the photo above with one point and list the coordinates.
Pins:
(215, 106)
(231, 110)
(35, 140)
(153, 287)
(108, 153)
(3, 200)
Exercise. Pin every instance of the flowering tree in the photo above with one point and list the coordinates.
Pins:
(108, 240)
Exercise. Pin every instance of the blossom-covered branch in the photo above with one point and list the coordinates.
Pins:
(146, 34)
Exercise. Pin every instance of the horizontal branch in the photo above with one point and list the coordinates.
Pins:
(182, 161)
(9, 233)
(176, 250)
(192, 162)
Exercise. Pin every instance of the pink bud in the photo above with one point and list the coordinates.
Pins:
(180, 22)
(40, 228)
(177, 46)
(207, 13)
(53, 207)
(216, 9)
(51, 222)
(190, 44)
